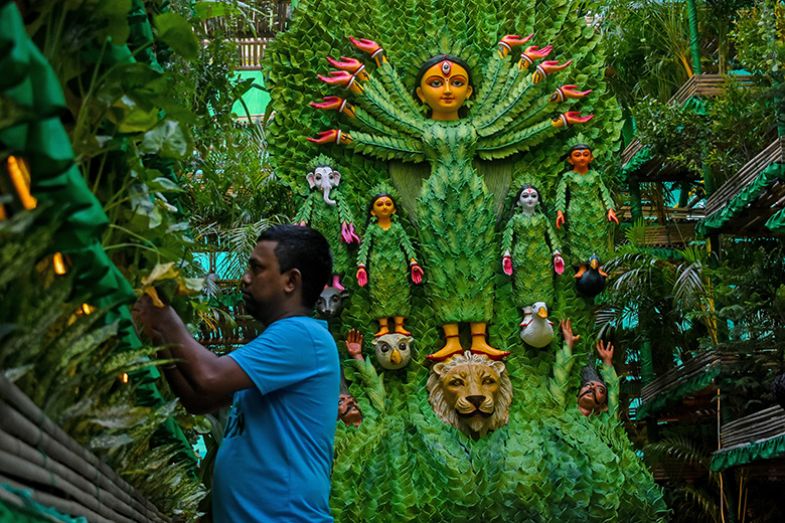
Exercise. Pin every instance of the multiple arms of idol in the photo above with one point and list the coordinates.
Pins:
(511, 112)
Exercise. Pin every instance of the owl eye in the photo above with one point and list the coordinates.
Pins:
(384, 347)
(402, 346)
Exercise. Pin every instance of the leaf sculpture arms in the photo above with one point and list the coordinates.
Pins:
(506, 97)
(389, 119)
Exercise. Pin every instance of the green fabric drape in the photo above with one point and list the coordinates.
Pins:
(745, 197)
(32, 511)
(757, 450)
(29, 83)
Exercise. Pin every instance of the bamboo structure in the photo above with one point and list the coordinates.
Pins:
(36, 455)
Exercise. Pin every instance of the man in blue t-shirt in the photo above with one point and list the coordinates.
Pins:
(275, 460)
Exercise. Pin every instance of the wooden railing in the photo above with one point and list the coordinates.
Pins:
(774, 153)
(226, 334)
(251, 53)
(38, 457)
(702, 85)
(763, 424)
(259, 23)
(679, 214)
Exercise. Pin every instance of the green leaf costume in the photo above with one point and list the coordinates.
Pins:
(585, 201)
(531, 241)
(386, 256)
(327, 219)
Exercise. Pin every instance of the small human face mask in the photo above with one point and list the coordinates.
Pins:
(528, 199)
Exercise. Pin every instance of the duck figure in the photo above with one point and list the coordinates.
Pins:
(536, 328)
(590, 278)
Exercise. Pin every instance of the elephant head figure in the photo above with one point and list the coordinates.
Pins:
(324, 178)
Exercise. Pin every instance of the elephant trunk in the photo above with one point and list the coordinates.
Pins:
(326, 194)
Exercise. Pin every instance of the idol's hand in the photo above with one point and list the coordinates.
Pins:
(351, 65)
(331, 136)
(362, 276)
(507, 264)
(416, 272)
(334, 103)
(612, 217)
(508, 42)
(559, 219)
(571, 118)
(568, 91)
(549, 67)
(566, 332)
(558, 264)
(534, 53)
(366, 46)
(343, 79)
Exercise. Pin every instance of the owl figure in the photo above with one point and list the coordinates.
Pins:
(393, 351)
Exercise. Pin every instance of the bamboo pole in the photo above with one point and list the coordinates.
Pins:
(65, 479)
(20, 417)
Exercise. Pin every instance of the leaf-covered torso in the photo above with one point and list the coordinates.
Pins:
(585, 201)
(531, 242)
(326, 219)
(456, 223)
(387, 262)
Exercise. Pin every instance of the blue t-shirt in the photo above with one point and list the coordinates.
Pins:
(275, 460)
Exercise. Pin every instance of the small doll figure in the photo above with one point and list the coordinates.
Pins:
(530, 245)
(584, 203)
(326, 211)
(385, 259)
(348, 410)
(596, 394)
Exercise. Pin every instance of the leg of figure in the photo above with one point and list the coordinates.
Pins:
(399, 328)
(383, 328)
(452, 345)
(480, 345)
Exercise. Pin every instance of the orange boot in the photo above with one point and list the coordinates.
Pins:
(383, 328)
(451, 347)
(399, 329)
(480, 346)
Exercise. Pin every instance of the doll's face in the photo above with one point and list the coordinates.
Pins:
(348, 411)
(383, 207)
(444, 88)
(528, 199)
(581, 159)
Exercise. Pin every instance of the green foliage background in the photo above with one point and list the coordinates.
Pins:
(402, 463)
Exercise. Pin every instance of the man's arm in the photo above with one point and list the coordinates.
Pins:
(203, 381)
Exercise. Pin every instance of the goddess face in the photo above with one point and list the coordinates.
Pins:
(528, 199)
(383, 207)
(581, 159)
(444, 88)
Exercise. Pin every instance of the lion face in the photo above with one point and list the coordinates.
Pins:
(471, 393)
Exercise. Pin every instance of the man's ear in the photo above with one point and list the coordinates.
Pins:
(294, 281)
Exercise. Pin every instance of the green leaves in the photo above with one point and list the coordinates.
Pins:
(176, 32)
(168, 139)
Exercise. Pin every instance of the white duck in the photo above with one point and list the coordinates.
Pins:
(536, 328)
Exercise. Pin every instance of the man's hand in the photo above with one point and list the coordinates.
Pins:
(566, 331)
(605, 352)
(151, 321)
(354, 344)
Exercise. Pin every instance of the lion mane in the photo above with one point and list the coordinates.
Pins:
(471, 366)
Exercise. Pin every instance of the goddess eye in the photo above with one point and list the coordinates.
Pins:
(436, 83)
(458, 83)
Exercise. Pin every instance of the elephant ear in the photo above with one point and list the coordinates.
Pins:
(337, 178)
(311, 179)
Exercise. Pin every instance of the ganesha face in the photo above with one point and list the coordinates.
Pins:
(471, 392)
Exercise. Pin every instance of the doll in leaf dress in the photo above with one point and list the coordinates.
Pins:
(530, 251)
(326, 211)
(584, 204)
(384, 262)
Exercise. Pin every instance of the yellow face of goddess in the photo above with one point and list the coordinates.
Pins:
(383, 207)
(444, 88)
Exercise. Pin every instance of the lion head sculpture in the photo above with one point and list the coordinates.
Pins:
(470, 392)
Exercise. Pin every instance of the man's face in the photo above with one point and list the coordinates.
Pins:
(348, 411)
(263, 286)
(593, 397)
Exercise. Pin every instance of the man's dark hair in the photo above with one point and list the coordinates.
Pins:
(306, 250)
